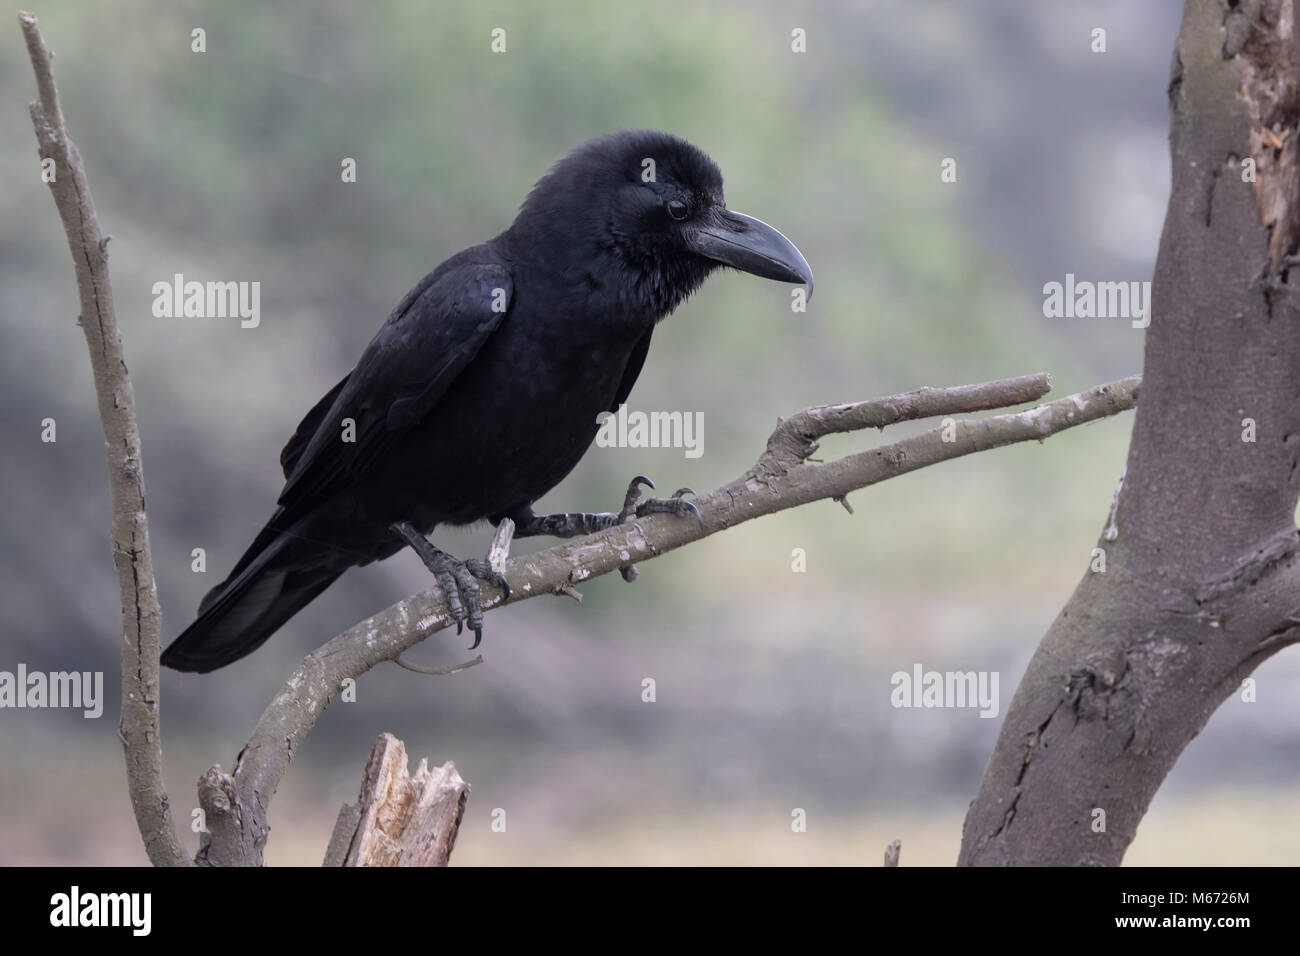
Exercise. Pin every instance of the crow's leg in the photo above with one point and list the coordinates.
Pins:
(458, 579)
(578, 523)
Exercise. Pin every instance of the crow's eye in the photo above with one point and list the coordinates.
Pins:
(677, 209)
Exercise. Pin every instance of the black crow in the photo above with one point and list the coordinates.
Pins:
(482, 390)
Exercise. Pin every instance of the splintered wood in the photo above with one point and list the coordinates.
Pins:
(399, 819)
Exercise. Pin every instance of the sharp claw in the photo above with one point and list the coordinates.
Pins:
(633, 495)
(458, 581)
(683, 491)
(696, 511)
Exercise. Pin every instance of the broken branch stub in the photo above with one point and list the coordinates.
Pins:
(399, 819)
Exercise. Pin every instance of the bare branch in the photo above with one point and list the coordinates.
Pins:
(141, 616)
(795, 437)
(781, 479)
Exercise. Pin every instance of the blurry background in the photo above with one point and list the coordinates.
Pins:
(773, 686)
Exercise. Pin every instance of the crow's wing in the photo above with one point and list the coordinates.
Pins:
(428, 340)
(632, 369)
(307, 428)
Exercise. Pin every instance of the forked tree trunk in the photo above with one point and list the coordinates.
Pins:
(1201, 583)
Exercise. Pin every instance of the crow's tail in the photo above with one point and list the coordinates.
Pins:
(277, 577)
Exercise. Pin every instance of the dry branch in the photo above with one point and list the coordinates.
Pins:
(141, 615)
(781, 479)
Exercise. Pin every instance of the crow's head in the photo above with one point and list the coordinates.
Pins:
(650, 206)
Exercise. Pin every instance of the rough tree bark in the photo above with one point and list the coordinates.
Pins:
(1201, 583)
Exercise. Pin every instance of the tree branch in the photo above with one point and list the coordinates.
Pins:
(782, 478)
(141, 616)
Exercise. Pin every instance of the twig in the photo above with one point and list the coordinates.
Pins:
(141, 616)
(796, 437)
(437, 671)
(499, 550)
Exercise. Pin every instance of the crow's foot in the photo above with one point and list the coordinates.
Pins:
(633, 506)
(578, 523)
(458, 579)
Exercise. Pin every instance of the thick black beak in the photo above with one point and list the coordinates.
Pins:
(750, 245)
